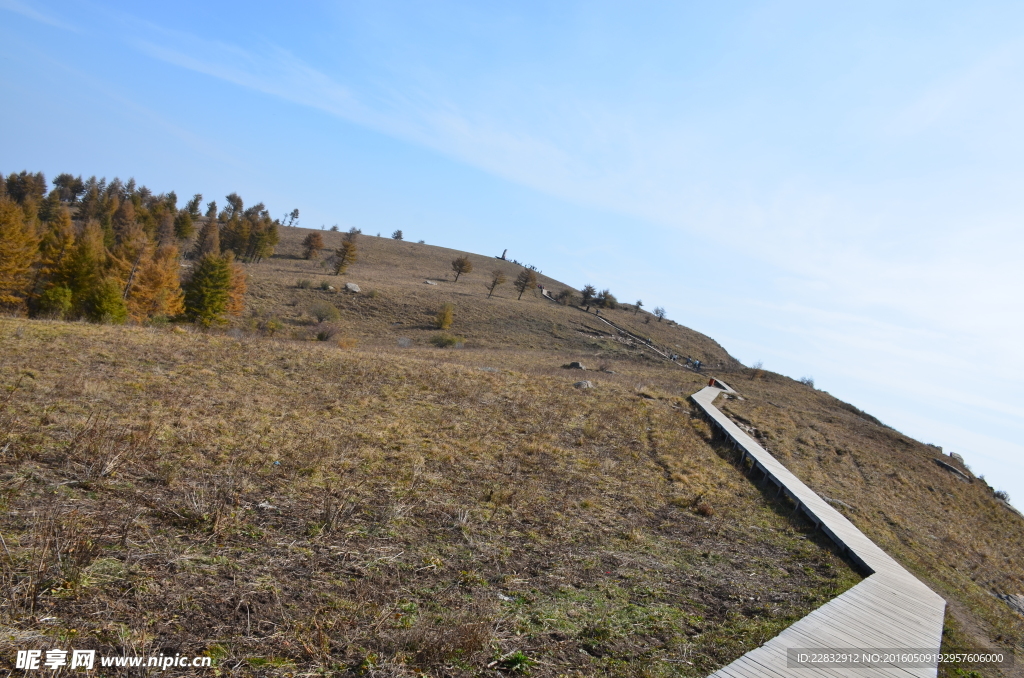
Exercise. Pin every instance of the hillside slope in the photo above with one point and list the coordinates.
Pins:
(369, 502)
(293, 507)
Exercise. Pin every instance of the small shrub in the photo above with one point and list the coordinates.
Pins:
(271, 326)
(566, 297)
(347, 343)
(325, 332)
(105, 303)
(445, 317)
(55, 302)
(324, 311)
(445, 340)
(304, 284)
(397, 235)
(807, 381)
(607, 300)
(372, 294)
(324, 285)
(1002, 494)
(516, 662)
(705, 509)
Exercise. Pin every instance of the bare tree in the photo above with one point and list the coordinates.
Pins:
(526, 280)
(659, 312)
(461, 265)
(352, 234)
(636, 308)
(497, 278)
(397, 235)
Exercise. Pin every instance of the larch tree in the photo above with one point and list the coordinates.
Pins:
(344, 256)
(637, 306)
(19, 247)
(526, 280)
(239, 284)
(209, 239)
(312, 245)
(461, 265)
(445, 316)
(57, 244)
(157, 288)
(497, 278)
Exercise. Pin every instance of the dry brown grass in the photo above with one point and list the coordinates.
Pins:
(396, 302)
(293, 507)
(370, 504)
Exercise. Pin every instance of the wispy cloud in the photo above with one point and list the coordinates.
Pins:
(35, 14)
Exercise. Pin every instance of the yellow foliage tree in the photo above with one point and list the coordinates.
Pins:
(236, 297)
(19, 246)
(156, 288)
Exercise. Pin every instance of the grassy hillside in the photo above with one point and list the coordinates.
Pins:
(371, 504)
(294, 505)
(397, 301)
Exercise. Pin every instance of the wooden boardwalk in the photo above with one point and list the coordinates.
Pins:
(889, 609)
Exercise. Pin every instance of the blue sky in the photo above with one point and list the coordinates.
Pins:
(832, 190)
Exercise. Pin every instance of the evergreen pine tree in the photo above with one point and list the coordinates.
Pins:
(184, 227)
(105, 302)
(208, 291)
(82, 271)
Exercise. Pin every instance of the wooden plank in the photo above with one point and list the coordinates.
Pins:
(891, 608)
